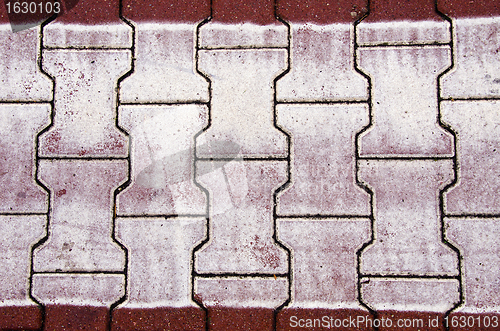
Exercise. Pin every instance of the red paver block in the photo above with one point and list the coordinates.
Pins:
(397, 10)
(246, 121)
(19, 126)
(259, 12)
(85, 103)
(162, 155)
(322, 158)
(159, 280)
(329, 280)
(81, 216)
(77, 301)
(478, 148)
(90, 12)
(405, 106)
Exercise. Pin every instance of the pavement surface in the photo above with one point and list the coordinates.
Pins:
(250, 165)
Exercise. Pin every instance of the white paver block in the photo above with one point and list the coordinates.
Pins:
(478, 148)
(322, 158)
(407, 217)
(114, 35)
(403, 32)
(85, 103)
(81, 216)
(324, 260)
(78, 289)
(478, 240)
(216, 35)
(404, 101)
(164, 66)
(20, 76)
(477, 59)
(242, 105)
(19, 124)
(159, 260)
(162, 155)
(429, 295)
(321, 65)
(19, 233)
(241, 217)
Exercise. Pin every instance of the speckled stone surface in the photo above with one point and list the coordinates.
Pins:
(250, 165)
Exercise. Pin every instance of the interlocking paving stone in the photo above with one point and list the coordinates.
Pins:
(241, 120)
(334, 263)
(475, 72)
(245, 165)
(476, 125)
(19, 126)
(21, 78)
(241, 217)
(407, 217)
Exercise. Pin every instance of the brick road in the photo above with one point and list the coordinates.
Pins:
(250, 165)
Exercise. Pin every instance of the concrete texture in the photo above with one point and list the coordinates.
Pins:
(250, 165)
